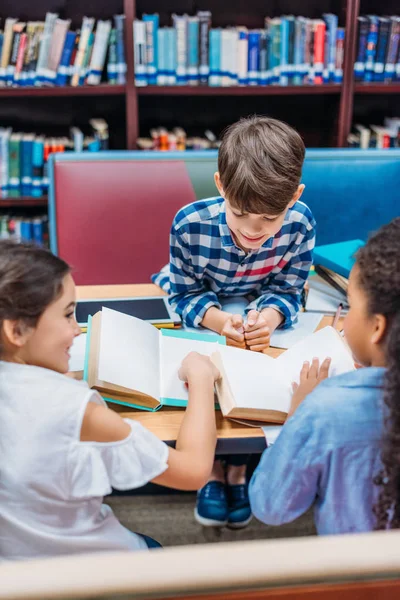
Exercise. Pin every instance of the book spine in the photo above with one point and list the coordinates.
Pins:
(23, 42)
(151, 23)
(298, 52)
(14, 181)
(171, 54)
(233, 69)
(340, 34)
(34, 53)
(370, 53)
(331, 21)
(291, 26)
(215, 57)
(26, 165)
(119, 22)
(56, 47)
(87, 27)
(264, 58)
(393, 50)
(225, 79)
(284, 51)
(319, 49)
(7, 48)
(43, 57)
(359, 65)
(63, 68)
(204, 33)
(38, 231)
(139, 39)
(112, 58)
(275, 49)
(37, 167)
(253, 65)
(381, 48)
(162, 56)
(99, 52)
(87, 59)
(180, 23)
(242, 48)
(4, 171)
(193, 50)
(18, 33)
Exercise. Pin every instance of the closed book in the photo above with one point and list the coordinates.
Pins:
(319, 50)
(62, 77)
(26, 230)
(78, 68)
(215, 57)
(381, 48)
(44, 47)
(22, 48)
(151, 23)
(139, 41)
(284, 52)
(204, 32)
(242, 51)
(4, 161)
(225, 58)
(33, 52)
(6, 48)
(299, 47)
(372, 40)
(38, 231)
(193, 51)
(37, 166)
(253, 64)
(86, 60)
(339, 60)
(339, 257)
(119, 23)
(393, 50)
(264, 78)
(180, 23)
(56, 48)
(112, 77)
(275, 54)
(26, 164)
(14, 165)
(19, 36)
(359, 65)
(257, 388)
(171, 62)
(331, 21)
(132, 363)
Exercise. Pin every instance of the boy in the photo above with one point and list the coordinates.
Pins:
(255, 241)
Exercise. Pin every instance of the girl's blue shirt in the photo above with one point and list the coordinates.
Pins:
(327, 454)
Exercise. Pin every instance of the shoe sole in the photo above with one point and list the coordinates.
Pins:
(239, 525)
(208, 522)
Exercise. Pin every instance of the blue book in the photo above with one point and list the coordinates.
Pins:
(381, 48)
(359, 65)
(119, 21)
(151, 23)
(38, 230)
(171, 56)
(37, 167)
(215, 57)
(253, 64)
(63, 70)
(284, 58)
(331, 21)
(143, 354)
(162, 58)
(370, 53)
(340, 34)
(193, 51)
(26, 164)
(338, 257)
(393, 48)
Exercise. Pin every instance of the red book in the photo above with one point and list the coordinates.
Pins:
(319, 50)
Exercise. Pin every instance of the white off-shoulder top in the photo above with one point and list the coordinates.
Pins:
(52, 484)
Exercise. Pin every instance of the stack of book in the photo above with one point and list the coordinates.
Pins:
(378, 49)
(47, 53)
(288, 50)
(376, 136)
(163, 140)
(26, 229)
(24, 157)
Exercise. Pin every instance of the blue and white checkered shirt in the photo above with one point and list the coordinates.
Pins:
(205, 263)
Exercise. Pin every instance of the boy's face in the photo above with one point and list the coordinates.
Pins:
(49, 343)
(251, 231)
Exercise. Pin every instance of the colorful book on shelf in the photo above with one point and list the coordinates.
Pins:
(258, 388)
(132, 363)
(338, 257)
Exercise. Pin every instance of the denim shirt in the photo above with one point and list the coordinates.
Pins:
(327, 454)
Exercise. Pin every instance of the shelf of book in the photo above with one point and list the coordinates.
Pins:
(105, 89)
(237, 90)
(22, 201)
(377, 88)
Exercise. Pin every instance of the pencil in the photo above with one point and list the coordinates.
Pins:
(337, 316)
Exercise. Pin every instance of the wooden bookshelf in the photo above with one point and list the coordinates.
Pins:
(132, 109)
(23, 201)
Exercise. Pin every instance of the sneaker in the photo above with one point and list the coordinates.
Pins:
(239, 506)
(212, 505)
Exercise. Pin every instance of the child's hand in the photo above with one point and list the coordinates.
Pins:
(310, 377)
(233, 330)
(199, 365)
(257, 332)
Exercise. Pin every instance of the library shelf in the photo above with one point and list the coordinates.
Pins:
(377, 88)
(22, 201)
(103, 89)
(237, 90)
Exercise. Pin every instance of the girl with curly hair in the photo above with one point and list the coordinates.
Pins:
(340, 447)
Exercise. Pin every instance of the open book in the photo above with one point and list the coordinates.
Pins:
(130, 362)
(256, 387)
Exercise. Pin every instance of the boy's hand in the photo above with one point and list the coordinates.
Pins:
(257, 332)
(310, 377)
(195, 364)
(233, 330)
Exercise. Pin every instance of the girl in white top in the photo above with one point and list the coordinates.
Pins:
(61, 448)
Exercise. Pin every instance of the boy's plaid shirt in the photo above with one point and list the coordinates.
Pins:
(205, 264)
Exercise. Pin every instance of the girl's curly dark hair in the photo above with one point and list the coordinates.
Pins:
(30, 279)
(379, 276)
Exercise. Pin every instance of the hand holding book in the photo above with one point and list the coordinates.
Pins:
(310, 377)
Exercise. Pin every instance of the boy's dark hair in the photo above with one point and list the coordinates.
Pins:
(259, 163)
(30, 280)
(379, 276)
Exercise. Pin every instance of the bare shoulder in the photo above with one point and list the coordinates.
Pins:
(101, 424)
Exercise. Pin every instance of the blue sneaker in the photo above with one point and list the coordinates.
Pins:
(212, 505)
(239, 506)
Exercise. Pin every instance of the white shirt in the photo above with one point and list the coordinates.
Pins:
(51, 483)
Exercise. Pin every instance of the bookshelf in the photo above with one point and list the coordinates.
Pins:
(131, 110)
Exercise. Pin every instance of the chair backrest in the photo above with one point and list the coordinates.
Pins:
(111, 212)
(349, 567)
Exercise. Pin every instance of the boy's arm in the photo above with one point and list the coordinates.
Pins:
(188, 297)
(282, 291)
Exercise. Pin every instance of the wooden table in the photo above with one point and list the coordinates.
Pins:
(165, 423)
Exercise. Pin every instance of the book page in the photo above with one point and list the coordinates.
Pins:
(322, 344)
(286, 338)
(172, 352)
(129, 353)
(255, 379)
